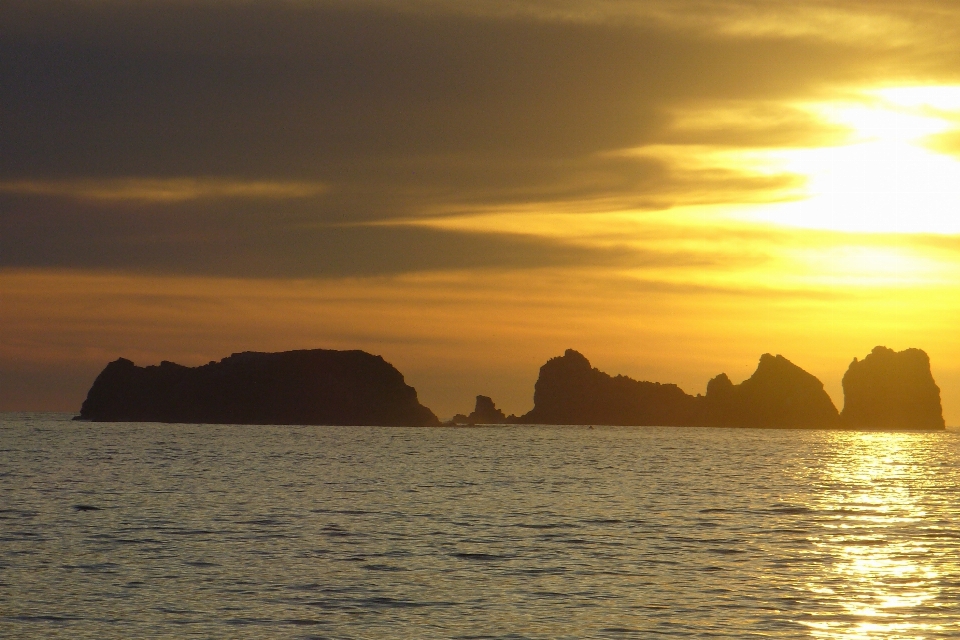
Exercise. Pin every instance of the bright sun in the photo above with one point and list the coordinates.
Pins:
(886, 177)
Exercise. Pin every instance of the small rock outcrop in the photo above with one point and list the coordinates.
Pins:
(317, 386)
(485, 412)
(570, 391)
(779, 394)
(891, 390)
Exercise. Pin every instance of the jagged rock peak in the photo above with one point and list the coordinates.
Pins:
(779, 394)
(574, 359)
(721, 384)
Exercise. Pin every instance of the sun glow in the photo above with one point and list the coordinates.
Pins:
(886, 177)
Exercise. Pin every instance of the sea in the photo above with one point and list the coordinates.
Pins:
(143, 530)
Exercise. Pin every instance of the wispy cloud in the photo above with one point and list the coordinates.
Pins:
(161, 190)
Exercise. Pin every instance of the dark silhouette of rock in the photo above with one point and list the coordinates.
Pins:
(779, 394)
(570, 391)
(316, 386)
(891, 390)
(485, 412)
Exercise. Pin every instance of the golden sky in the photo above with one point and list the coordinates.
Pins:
(468, 189)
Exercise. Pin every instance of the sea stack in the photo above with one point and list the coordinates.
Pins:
(891, 390)
(570, 391)
(317, 386)
(779, 394)
(485, 412)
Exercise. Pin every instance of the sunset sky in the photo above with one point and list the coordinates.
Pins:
(671, 187)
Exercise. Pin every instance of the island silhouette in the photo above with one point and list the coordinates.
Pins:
(885, 390)
(317, 386)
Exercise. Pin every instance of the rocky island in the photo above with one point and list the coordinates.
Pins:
(571, 391)
(317, 386)
(778, 395)
(891, 390)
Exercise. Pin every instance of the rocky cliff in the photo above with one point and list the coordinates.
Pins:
(570, 391)
(779, 394)
(891, 390)
(316, 386)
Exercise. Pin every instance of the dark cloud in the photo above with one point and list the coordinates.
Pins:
(402, 111)
(278, 88)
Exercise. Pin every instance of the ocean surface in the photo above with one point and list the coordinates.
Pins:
(135, 530)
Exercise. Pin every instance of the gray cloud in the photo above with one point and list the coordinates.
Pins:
(236, 243)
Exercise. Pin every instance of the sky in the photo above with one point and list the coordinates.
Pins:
(671, 187)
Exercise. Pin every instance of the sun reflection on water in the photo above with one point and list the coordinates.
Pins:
(877, 547)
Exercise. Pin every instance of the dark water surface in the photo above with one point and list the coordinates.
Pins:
(184, 531)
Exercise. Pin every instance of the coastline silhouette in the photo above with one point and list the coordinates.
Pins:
(885, 390)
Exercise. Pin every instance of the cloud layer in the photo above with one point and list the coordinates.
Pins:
(400, 111)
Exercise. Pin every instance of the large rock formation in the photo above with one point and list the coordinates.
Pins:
(570, 391)
(891, 390)
(316, 386)
(779, 394)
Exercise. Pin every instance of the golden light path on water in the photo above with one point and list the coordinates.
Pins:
(884, 545)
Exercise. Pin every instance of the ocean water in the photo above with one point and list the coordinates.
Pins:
(135, 530)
